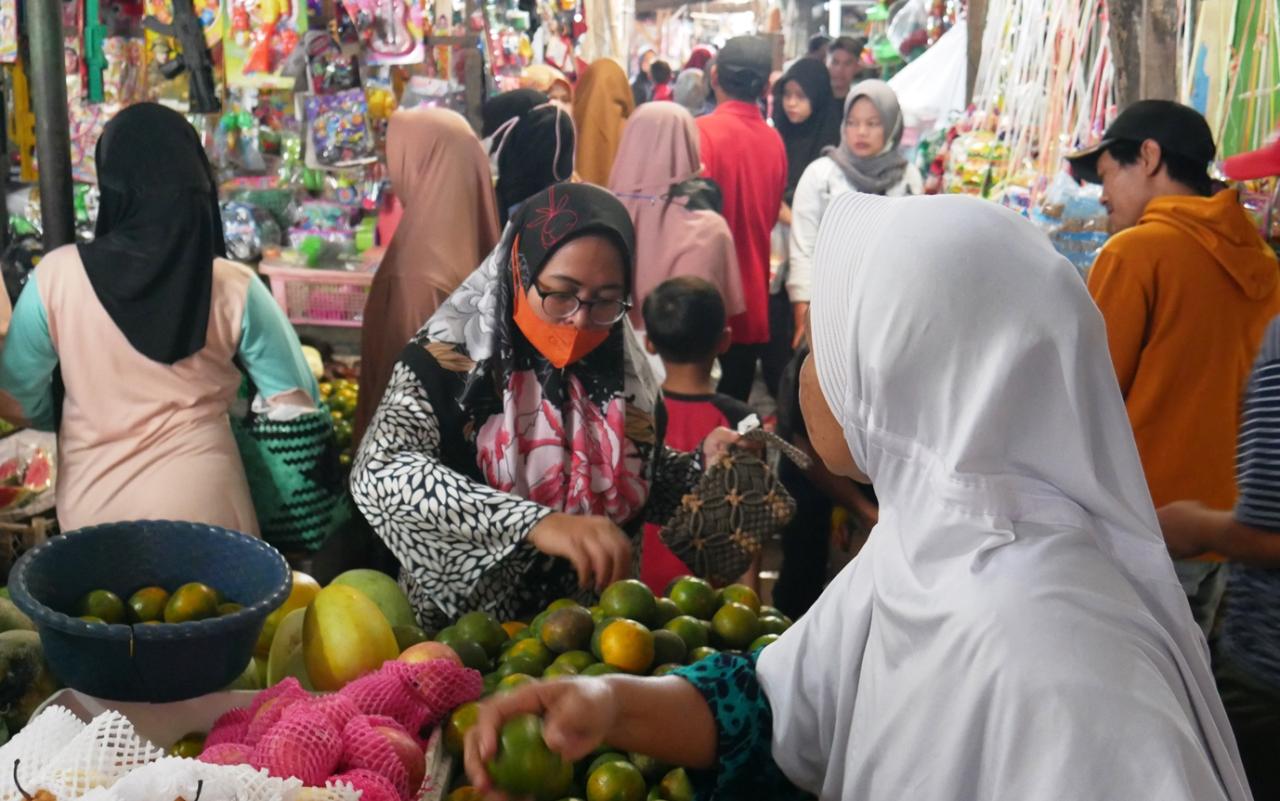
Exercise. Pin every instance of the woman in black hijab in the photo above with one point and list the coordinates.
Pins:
(534, 151)
(807, 116)
(144, 325)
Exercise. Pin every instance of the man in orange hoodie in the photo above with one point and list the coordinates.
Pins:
(1186, 286)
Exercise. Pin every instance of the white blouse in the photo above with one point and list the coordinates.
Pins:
(823, 181)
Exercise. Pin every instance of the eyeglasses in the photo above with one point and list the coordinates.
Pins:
(562, 305)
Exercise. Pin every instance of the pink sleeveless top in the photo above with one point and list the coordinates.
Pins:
(141, 439)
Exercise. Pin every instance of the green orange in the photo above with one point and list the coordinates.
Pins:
(525, 766)
(699, 654)
(483, 628)
(460, 722)
(630, 599)
(669, 647)
(690, 630)
(741, 594)
(568, 629)
(676, 786)
(616, 781)
(102, 604)
(190, 602)
(735, 625)
(148, 604)
(694, 597)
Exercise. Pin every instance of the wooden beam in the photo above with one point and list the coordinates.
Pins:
(1144, 44)
(976, 24)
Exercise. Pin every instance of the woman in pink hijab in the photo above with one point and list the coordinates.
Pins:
(679, 230)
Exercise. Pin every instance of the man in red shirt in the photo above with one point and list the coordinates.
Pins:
(746, 157)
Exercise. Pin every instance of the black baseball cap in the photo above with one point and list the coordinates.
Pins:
(1178, 129)
(744, 64)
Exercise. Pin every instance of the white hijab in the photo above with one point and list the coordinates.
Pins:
(1013, 628)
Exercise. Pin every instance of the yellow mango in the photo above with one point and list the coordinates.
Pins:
(344, 636)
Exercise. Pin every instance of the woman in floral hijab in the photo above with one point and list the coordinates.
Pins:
(518, 449)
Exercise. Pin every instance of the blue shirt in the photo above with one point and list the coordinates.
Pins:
(1250, 637)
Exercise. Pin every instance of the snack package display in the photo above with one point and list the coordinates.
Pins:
(261, 38)
(338, 130)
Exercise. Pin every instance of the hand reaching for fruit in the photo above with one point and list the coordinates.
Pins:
(577, 714)
(598, 549)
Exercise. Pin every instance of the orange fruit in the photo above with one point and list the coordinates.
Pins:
(736, 625)
(148, 604)
(514, 627)
(630, 599)
(616, 781)
(190, 602)
(466, 793)
(627, 645)
(102, 604)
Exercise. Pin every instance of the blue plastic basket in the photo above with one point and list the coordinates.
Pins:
(155, 663)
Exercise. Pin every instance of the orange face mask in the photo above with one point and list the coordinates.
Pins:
(559, 343)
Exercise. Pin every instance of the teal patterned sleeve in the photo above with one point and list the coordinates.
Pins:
(744, 729)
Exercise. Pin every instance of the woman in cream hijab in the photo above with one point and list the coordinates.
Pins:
(440, 172)
(1013, 629)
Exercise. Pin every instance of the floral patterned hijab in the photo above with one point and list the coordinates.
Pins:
(577, 440)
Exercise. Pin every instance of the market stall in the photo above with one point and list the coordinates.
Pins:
(193, 663)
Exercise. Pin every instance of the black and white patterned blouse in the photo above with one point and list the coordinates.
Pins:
(462, 545)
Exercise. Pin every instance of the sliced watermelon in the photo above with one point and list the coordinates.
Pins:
(10, 471)
(11, 497)
(39, 472)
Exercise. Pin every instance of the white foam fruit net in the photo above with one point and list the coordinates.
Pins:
(106, 760)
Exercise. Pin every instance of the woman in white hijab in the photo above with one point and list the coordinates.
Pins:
(1013, 628)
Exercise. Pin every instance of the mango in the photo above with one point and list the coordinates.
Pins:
(12, 618)
(344, 636)
(383, 591)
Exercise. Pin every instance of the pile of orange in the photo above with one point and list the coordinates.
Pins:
(628, 631)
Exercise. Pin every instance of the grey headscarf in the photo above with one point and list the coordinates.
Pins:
(879, 173)
(691, 90)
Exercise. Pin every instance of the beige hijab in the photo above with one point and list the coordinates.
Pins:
(660, 147)
(600, 110)
(440, 173)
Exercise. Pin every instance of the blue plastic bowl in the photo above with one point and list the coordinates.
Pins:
(155, 663)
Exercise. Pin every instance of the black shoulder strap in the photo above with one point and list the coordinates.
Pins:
(442, 387)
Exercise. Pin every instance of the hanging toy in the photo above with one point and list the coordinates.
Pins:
(194, 58)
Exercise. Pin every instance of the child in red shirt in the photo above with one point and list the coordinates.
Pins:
(662, 75)
(685, 325)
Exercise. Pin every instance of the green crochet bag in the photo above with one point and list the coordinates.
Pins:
(298, 487)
